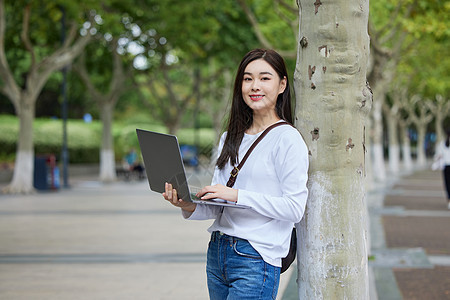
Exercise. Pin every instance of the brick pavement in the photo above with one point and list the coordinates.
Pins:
(99, 242)
(95, 241)
(422, 221)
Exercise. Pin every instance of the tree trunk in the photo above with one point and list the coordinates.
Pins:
(379, 171)
(382, 79)
(406, 147)
(438, 122)
(333, 101)
(22, 181)
(421, 132)
(440, 109)
(173, 126)
(24, 100)
(420, 115)
(106, 103)
(394, 149)
(369, 184)
(107, 156)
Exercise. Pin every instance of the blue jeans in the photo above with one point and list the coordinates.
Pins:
(235, 270)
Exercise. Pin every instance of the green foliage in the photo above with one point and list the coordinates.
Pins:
(203, 138)
(125, 136)
(44, 29)
(84, 138)
(204, 36)
(425, 69)
(424, 66)
(272, 18)
(430, 18)
(9, 130)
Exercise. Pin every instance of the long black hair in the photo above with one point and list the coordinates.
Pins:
(241, 115)
(447, 141)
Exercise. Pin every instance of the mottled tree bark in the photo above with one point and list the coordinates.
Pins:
(333, 101)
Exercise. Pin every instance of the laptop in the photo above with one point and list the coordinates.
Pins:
(163, 163)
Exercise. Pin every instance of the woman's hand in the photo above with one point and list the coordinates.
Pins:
(170, 195)
(218, 191)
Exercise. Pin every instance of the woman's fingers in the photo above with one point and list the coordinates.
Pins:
(170, 194)
(218, 191)
(175, 197)
(205, 190)
(168, 191)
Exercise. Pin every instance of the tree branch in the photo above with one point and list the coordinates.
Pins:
(251, 17)
(282, 15)
(375, 44)
(152, 108)
(24, 35)
(262, 39)
(73, 30)
(168, 84)
(117, 85)
(57, 60)
(9, 86)
(289, 7)
(80, 68)
(390, 25)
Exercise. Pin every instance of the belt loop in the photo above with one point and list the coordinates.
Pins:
(216, 236)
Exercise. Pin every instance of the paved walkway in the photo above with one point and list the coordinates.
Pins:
(410, 228)
(122, 241)
(95, 241)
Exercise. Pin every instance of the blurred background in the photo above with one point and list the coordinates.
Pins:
(77, 78)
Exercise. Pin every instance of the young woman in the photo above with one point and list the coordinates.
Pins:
(247, 245)
(443, 153)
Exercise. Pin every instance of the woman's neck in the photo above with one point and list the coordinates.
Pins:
(260, 123)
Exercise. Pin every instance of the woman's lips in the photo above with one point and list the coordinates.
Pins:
(256, 97)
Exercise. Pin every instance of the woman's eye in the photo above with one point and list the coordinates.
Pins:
(265, 78)
(247, 79)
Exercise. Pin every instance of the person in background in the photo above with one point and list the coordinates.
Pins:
(247, 245)
(132, 164)
(443, 157)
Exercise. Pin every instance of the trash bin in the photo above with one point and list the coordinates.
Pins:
(46, 172)
(189, 154)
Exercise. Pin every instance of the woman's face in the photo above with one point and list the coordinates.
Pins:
(261, 86)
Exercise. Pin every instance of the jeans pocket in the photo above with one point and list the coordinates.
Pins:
(243, 248)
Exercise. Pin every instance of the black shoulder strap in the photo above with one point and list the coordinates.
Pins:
(235, 171)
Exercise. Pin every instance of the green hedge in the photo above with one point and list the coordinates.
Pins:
(84, 139)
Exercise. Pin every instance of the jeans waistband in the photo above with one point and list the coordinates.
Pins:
(217, 235)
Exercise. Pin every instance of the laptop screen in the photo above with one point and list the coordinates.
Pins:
(163, 162)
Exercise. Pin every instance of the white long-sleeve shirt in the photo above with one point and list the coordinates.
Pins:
(272, 183)
(444, 153)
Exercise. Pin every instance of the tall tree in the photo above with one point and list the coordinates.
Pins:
(182, 73)
(398, 28)
(106, 100)
(391, 110)
(405, 141)
(169, 92)
(43, 55)
(387, 45)
(420, 115)
(440, 108)
(109, 63)
(333, 100)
